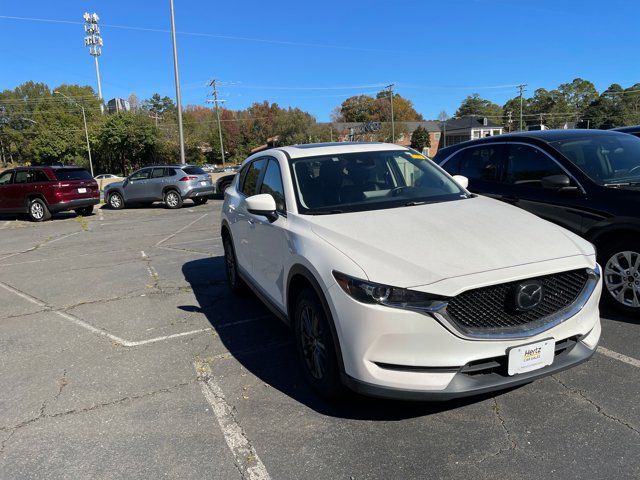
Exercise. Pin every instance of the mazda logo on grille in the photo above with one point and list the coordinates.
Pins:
(527, 296)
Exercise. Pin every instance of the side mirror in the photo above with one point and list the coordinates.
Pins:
(125, 182)
(462, 181)
(263, 205)
(561, 183)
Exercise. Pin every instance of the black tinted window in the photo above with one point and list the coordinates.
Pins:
(272, 184)
(157, 173)
(482, 163)
(527, 166)
(250, 183)
(5, 178)
(170, 172)
(39, 176)
(73, 174)
(194, 171)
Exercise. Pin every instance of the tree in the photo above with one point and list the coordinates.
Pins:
(364, 108)
(134, 102)
(550, 108)
(127, 140)
(474, 105)
(578, 94)
(420, 138)
(608, 110)
(159, 105)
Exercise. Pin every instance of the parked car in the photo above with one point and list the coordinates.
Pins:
(223, 183)
(585, 180)
(41, 191)
(398, 282)
(634, 130)
(105, 176)
(171, 184)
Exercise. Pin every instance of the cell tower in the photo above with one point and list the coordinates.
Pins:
(93, 40)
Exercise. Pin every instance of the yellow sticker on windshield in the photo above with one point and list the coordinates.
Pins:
(418, 156)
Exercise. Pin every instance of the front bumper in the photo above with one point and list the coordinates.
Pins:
(73, 204)
(396, 353)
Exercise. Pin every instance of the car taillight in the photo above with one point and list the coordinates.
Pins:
(188, 178)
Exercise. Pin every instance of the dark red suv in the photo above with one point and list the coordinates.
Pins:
(41, 191)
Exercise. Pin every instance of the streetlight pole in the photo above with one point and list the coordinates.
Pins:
(393, 126)
(176, 75)
(93, 40)
(86, 130)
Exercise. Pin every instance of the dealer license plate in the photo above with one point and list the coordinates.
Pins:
(82, 190)
(533, 356)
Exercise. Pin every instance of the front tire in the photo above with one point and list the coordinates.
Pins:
(38, 210)
(236, 284)
(116, 201)
(200, 201)
(172, 199)
(620, 262)
(315, 346)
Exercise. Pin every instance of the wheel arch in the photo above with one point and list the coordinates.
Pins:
(299, 278)
(618, 230)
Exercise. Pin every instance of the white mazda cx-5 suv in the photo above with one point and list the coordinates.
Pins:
(398, 282)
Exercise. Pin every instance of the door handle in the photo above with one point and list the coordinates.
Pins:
(251, 222)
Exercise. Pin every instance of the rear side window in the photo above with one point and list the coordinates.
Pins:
(250, 183)
(22, 176)
(272, 184)
(194, 171)
(39, 176)
(170, 172)
(482, 163)
(72, 174)
(527, 166)
(157, 173)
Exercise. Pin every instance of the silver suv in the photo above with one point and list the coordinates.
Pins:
(171, 184)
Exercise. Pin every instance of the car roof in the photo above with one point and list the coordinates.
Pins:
(547, 136)
(332, 148)
(630, 129)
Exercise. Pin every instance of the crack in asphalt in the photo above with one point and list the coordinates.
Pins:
(43, 415)
(598, 408)
(39, 245)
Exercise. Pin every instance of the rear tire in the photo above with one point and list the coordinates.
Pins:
(315, 346)
(84, 211)
(116, 201)
(620, 262)
(38, 210)
(172, 199)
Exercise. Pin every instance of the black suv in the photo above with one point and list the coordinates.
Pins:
(633, 130)
(585, 180)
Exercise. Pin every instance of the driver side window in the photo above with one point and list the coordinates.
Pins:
(140, 175)
(5, 178)
(527, 166)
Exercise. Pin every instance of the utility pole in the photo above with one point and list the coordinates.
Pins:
(93, 40)
(393, 126)
(84, 119)
(213, 85)
(510, 120)
(156, 117)
(521, 87)
(176, 74)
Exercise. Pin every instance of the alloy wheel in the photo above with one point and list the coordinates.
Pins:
(313, 347)
(37, 211)
(172, 199)
(622, 278)
(115, 201)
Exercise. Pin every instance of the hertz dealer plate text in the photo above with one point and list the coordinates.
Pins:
(533, 356)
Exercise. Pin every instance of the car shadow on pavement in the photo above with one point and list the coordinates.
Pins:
(611, 313)
(264, 346)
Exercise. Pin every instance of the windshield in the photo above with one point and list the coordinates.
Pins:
(369, 180)
(606, 159)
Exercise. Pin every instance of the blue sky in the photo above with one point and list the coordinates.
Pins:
(302, 54)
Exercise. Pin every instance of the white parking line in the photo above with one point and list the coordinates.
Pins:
(619, 356)
(247, 460)
(179, 231)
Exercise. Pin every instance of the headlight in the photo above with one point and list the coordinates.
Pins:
(369, 292)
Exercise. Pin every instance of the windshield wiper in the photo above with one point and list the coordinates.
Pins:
(413, 204)
(326, 212)
(622, 184)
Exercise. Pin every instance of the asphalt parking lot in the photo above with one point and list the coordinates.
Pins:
(123, 355)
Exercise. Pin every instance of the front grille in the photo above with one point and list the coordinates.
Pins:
(489, 308)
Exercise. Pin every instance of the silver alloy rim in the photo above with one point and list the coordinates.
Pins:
(172, 200)
(37, 211)
(622, 278)
(115, 201)
(313, 347)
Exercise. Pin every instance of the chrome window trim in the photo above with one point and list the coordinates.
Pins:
(562, 167)
(522, 333)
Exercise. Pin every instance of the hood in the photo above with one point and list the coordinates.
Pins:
(114, 185)
(419, 245)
